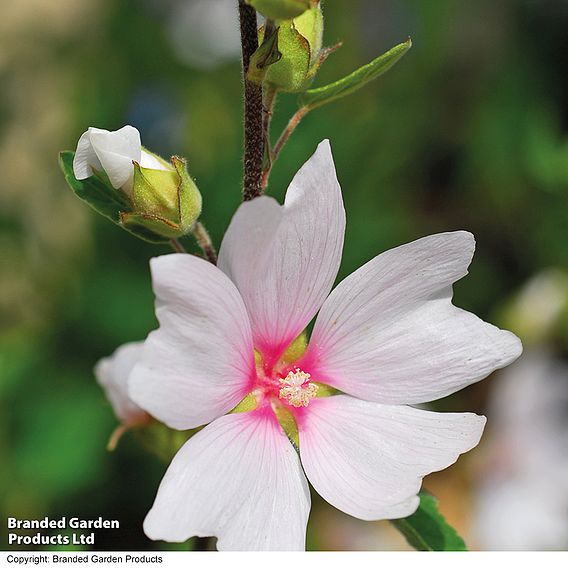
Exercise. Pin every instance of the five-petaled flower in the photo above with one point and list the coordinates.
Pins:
(386, 338)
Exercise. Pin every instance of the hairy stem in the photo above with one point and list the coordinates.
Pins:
(254, 134)
(205, 243)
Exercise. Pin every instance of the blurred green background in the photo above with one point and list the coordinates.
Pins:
(468, 131)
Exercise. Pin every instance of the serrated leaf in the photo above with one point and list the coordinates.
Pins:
(313, 98)
(427, 529)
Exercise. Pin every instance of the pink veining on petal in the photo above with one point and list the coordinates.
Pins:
(390, 333)
(199, 364)
(271, 352)
(284, 258)
(368, 459)
(238, 479)
(387, 334)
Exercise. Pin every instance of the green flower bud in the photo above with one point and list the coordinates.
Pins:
(310, 26)
(299, 45)
(280, 9)
(166, 202)
(144, 194)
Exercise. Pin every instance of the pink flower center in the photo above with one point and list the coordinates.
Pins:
(285, 384)
(297, 389)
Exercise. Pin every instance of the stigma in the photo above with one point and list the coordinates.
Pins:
(297, 389)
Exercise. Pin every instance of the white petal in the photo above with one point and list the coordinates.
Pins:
(85, 157)
(152, 162)
(112, 374)
(200, 363)
(284, 259)
(368, 459)
(390, 333)
(240, 480)
(116, 151)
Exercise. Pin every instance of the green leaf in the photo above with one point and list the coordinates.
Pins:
(313, 98)
(101, 197)
(427, 529)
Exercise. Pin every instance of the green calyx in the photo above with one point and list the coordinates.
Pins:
(166, 202)
(288, 58)
(310, 26)
(280, 9)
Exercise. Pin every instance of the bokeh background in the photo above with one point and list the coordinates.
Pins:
(468, 131)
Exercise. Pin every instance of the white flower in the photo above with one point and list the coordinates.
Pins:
(387, 337)
(112, 374)
(114, 153)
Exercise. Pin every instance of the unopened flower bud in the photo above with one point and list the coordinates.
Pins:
(166, 202)
(299, 45)
(280, 9)
(113, 153)
(163, 201)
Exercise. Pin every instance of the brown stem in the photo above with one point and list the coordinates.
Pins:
(290, 127)
(205, 243)
(177, 246)
(254, 136)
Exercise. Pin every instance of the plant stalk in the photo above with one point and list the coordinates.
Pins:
(177, 246)
(205, 243)
(290, 127)
(253, 128)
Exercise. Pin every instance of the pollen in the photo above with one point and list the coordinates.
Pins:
(297, 389)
